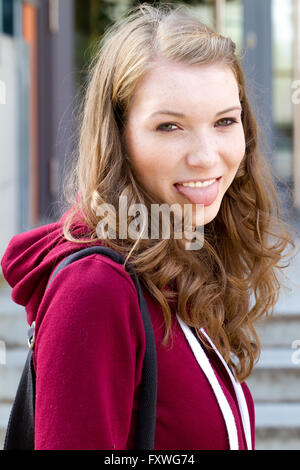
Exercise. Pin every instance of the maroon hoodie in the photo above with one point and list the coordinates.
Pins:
(89, 351)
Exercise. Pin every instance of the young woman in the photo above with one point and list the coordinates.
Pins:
(166, 120)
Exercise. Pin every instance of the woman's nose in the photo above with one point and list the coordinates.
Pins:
(204, 154)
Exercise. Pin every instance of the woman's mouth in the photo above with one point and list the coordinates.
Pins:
(200, 193)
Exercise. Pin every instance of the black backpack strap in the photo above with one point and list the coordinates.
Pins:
(20, 435)
(20, 428)
(145, 430)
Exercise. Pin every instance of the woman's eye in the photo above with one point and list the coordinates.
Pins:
(169, 126)
(230, 120)
(166, 127)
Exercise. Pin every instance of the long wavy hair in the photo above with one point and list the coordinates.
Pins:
(232, 281)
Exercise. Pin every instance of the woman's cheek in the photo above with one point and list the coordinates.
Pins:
(237, 149)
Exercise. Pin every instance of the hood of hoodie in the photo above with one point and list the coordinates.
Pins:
(30, 258)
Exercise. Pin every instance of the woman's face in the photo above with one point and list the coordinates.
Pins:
(184, 126)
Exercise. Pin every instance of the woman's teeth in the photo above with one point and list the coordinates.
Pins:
(198, 184)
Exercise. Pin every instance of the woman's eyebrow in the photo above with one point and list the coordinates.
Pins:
(229, 109)
(173, 113)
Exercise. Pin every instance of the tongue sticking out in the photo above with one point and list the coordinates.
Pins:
(205, 196)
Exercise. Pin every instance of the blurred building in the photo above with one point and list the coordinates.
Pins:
(45, 46)
(37, 72)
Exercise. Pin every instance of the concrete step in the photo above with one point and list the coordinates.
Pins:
(277, 426)
(4, 416)
(274, 383)
(10, 372)
(280, 331)
(276, 377)
(13, 329)
(289, 297)
(13, 324)
(278, 358)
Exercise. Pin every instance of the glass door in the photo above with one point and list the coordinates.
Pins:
(233, 22)
(282, 49)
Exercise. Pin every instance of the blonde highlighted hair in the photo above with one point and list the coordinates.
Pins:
(243, 245)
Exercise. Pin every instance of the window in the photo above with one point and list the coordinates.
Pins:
(7, 10)
(92, 17)
(283, 30)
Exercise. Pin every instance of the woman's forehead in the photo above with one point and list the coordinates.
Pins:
(181, 86)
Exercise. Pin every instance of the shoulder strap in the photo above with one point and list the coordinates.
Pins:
(20, 428)
(145, 430)
(146, 420)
